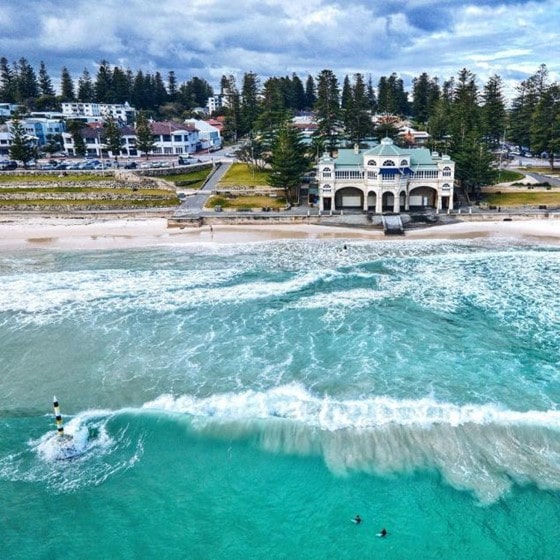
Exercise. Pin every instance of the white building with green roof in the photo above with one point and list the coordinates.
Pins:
(386, 178)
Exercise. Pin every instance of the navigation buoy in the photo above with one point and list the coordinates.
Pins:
(65, 442)
(58, 417)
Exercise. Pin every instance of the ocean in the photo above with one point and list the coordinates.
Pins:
(246, 401)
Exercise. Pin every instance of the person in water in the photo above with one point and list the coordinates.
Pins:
(357, 520)
(383, 533)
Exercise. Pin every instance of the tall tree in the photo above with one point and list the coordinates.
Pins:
(249, 102)
(310, 92)
(474, 163)
(545, 124)
(7, 82)
(327, 108)
(104, 92)
(45, 82)
(27, 87)
(144, 136)
(75, 128)
(66, 86)
(172, 86)
(493, 112)
(22, 147)
(421, 98)
(357, 116)
(232, 103)
(113, 136)
(465, 108)
(121, 85)
(298, 94)
(287, 162)
(86, 91)
(529, 93)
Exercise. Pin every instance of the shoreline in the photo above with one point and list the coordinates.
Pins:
(24, 233)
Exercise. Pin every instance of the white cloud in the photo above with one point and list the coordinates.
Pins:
(277, 37)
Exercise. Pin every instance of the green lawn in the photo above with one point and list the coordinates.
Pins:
(246, 202)
(192, 180)
(523, 199)
(508, 176)
(243, 175)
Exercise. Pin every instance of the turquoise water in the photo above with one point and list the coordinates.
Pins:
(247, 401)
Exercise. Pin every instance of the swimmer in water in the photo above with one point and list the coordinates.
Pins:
(357, 520)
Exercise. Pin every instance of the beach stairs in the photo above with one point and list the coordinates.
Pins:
(392, 224)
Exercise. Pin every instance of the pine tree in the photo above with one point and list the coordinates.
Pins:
(86, 91)
(22, 148)
(144, 136)
(230, 94)
(298, 94)
(474, 163)
(529, 93)
(357, 117)
(66, 86)
(249, 102)
(27, 86)
(7, 82)
(310, 92)
(121, 85)
(172, 86)
(273, 110)
(371, 97)
(493, 112)
(104, 92)
(287, 162)
(420, 98)
(327, 108)
(45, 82)
(545, 124)
(75, 127)
(113, 136)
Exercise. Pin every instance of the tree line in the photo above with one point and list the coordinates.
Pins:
(466, 120)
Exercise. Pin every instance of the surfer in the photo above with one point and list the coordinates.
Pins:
(357, 520)
(382, 533)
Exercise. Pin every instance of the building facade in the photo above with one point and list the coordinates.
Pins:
(385, 178)
(97, 112)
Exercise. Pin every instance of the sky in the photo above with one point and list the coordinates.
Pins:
(210, 38)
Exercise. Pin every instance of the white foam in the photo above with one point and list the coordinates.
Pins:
(481, 448)
(293, 402)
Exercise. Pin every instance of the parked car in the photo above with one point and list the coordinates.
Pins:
(7, 165)
(130, 165)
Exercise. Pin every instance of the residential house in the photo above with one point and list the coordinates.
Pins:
(208, 134)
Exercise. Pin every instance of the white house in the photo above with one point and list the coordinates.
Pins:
(209, 135)
(385, 178)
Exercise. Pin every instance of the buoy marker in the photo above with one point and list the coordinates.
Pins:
(58, 417)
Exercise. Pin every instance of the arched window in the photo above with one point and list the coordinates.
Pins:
(326, 171)
(388, 163)
(372, 162)
(404, 163)
(446, 172)
(446, 187)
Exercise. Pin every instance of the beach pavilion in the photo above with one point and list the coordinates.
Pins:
(385, 178)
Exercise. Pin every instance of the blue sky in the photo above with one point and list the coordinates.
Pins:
(209, 38)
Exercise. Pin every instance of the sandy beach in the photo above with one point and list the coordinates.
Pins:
(68, 233)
